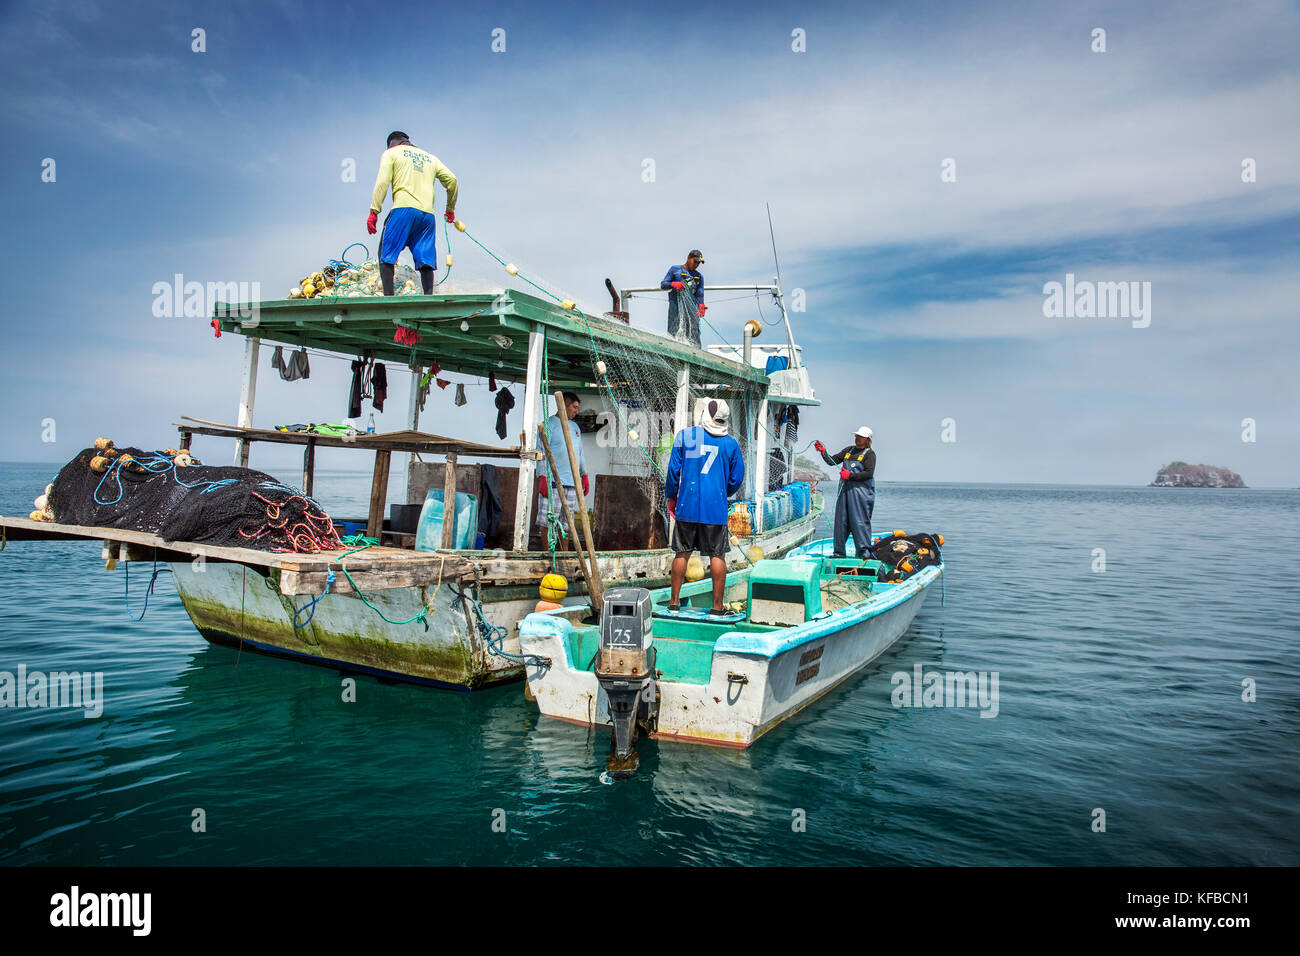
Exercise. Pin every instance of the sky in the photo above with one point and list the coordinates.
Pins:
(931, 168)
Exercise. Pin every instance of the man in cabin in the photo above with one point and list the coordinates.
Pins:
(560, 452)
(857, 492)
(706, 468)
(685, 281)
(411, 224)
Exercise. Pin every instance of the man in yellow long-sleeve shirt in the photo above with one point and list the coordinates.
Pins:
(411, 224)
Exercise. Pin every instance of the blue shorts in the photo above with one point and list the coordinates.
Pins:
(409, 228)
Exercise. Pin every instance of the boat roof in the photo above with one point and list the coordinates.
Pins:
(361, 324)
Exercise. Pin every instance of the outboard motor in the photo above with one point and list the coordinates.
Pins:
(626, 672)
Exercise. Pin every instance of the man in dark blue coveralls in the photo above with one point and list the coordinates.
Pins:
(857, 492)
(686, 283)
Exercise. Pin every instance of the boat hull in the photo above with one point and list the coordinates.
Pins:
(755, 682)
(240, 605)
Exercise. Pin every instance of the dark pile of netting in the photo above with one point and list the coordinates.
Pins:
(906, 554)
(219, 505)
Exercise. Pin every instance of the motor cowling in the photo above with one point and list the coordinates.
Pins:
(625, 669)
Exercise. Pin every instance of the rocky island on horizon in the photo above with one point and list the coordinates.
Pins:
(1179, 474)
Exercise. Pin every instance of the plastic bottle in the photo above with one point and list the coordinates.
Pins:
(370, 425)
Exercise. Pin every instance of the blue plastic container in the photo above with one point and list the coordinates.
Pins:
(428, 534)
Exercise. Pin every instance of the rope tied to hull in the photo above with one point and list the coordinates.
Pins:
(493, 635)
(126, 587)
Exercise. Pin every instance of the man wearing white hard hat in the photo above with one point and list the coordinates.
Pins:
(857, 492)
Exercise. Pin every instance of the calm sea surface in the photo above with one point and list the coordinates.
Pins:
(1119, 690)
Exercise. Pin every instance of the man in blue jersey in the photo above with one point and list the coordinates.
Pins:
(685, 283)
(705, 469)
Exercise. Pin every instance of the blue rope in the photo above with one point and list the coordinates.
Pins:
(494, 635)
(126, 596)
(311, 606)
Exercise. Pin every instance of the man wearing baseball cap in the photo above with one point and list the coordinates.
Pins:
(686, 297)
(857, 492)
(706, 468)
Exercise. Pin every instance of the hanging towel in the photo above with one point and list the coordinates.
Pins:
(460, 395)
(492, 382)
(354, 393)
(277, 360)
(379, 384)
(298, 365)
(504, 401)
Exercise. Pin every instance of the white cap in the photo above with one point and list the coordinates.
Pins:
(716, 415)
(863, 432)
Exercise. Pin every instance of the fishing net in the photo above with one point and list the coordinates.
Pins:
(638, 430)
(342, 279)
(226, 505)
(907, 553)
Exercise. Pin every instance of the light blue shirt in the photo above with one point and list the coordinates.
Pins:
(555, 438)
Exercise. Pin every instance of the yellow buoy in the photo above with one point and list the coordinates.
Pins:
(632, 435)
(36, 516)
(460, 226)
(755, 553)
(99, 463)
(694, 568)
(553, 587)
(449, 260)
(567, 304)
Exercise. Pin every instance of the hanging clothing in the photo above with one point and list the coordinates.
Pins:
(492, 382)
(504, 402)
(295, 368)
(460, 395)
(379, 385)
(489, 498)
(354, 393)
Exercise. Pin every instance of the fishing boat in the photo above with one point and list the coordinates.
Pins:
(447, 614)
(797, 627)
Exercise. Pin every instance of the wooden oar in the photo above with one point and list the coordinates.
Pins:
(594, 588)
(563, 415)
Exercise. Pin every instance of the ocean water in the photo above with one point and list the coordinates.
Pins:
(1119, 690)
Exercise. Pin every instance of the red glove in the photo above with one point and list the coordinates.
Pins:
(672, 506)
(449, 216)
(216, 328)
(844, 474)
(371, 222)
(677, 285)
(820, 447)
(541, 485)
(586, 485)
(703, 308)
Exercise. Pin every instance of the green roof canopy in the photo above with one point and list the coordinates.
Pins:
(369, 322)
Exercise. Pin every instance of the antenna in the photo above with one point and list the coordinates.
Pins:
(772, 233)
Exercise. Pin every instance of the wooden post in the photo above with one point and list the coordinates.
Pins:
(563, 415)
(309, 467)
(760, 465)
(528, 453)
(413, 423)
(247, 395)
(681, 420)
(594, 586)
(449, 502)
(378, 495)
